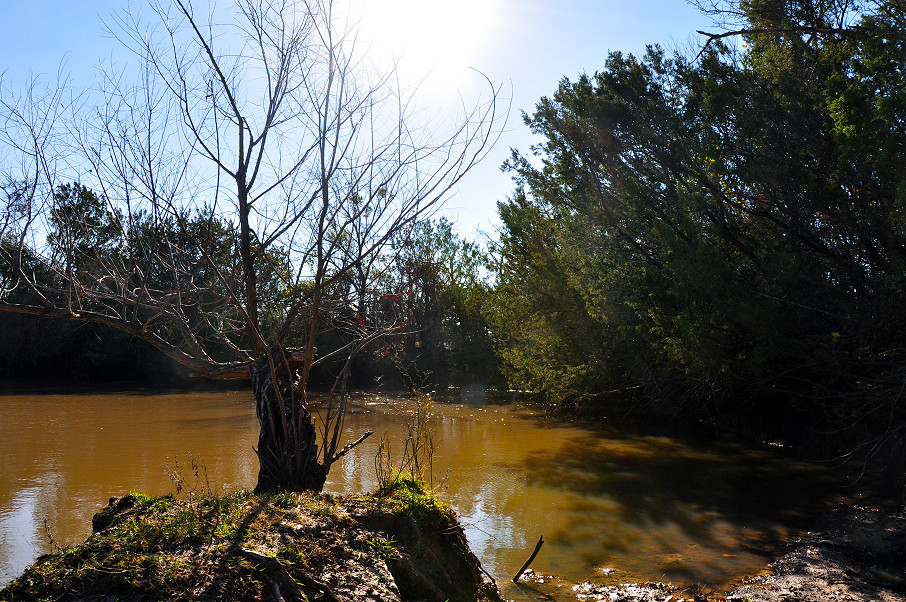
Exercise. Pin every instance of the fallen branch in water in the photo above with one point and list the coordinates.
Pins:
(529, 561)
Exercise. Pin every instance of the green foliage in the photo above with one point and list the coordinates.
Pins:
(385, 548)
(83, 230)
(438, 273)
(435, 282)
(405, 495)
(722, 238)
(403, 484)
(194, 253)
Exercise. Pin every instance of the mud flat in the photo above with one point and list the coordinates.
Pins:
(860, 556)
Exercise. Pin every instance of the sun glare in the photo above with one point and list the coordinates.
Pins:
(430, 38)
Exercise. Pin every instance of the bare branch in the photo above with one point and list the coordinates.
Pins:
(233, 205)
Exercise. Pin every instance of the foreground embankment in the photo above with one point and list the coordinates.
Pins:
(397, 544)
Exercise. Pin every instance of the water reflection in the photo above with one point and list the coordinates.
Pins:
(703, 513)
(649, 507)
(18, 532)
(66, 454)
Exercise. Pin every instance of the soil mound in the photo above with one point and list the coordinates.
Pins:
(400, 543)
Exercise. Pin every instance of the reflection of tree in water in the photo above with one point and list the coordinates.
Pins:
(704, 494)
(489, 532)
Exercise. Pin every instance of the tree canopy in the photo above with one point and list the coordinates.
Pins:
(721, 236)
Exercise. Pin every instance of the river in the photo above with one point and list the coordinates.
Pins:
(613, 505)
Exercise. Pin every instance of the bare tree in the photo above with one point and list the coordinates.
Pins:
(229, 196)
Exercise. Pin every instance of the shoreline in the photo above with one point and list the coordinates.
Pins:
(399, 543)
(859, 555)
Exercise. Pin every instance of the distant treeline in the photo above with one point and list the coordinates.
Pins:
(59, 350)
(446, 341)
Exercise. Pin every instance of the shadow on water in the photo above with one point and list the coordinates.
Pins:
(685, 510)
(658, 480)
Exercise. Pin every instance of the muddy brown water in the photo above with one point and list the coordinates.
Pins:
(613, 506)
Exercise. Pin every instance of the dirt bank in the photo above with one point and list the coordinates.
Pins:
(399, 544)
(860, 557)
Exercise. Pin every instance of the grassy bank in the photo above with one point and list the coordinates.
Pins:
(399, 543)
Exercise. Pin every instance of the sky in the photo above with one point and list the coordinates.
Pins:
(523, 46)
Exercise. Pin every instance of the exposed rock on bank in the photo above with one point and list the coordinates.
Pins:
(398, 544)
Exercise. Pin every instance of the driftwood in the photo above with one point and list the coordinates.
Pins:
(529, 561)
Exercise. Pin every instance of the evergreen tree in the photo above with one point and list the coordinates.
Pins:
(723, 236)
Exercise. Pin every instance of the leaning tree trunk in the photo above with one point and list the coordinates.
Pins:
(287, 445)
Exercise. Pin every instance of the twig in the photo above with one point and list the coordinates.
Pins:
(854, 31)
(350, 446)
(489, 575)
(529, 561)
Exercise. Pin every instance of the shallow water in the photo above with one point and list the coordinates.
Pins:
(652, 508)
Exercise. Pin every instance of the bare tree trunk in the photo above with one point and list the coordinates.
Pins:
(287, 444)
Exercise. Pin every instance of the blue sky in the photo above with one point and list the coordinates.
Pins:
(526, 46)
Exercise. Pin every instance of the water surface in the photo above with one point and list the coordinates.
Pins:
(651, 508)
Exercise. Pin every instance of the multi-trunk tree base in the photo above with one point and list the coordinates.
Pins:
(287, 445)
